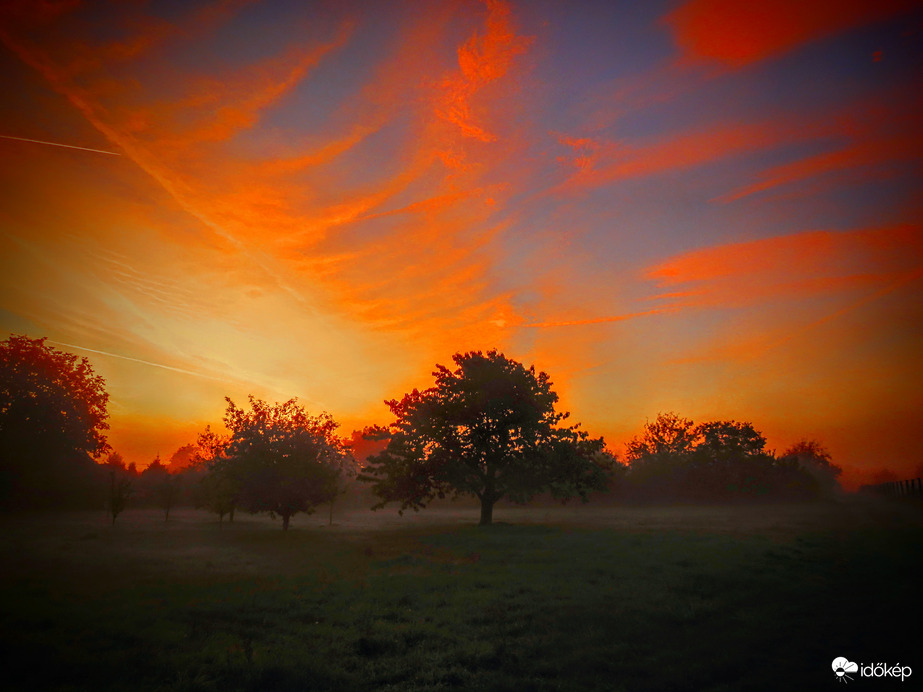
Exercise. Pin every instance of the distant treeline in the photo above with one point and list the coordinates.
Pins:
(676, 460)
(487, 430)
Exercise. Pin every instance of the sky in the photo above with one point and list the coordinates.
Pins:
(708, 207)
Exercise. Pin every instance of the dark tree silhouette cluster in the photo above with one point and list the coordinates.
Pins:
(675, 459)
(488, 429)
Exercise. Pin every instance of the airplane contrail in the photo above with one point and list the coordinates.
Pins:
(57, 144)
(138, 360)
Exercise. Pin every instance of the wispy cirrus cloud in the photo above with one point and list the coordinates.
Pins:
(323, 200)
(790, 266)
(298, 214)
(594, 163)
(868, 137)
(484, 58)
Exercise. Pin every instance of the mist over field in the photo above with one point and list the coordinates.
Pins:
(548, 598)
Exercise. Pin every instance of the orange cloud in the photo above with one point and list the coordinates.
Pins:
(873, 136)
(299, 218)
(856, 137)
(482, 59)
(599, 164)
(794, 265)
(258, 88)
(736, 33)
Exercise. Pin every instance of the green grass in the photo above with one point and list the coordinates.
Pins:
(568, 599)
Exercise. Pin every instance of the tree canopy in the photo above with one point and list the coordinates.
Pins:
(815, 459)
(675, 459)
(53, 418)
(277, 458)
(488, 429)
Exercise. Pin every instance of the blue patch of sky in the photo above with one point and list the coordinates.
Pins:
(591, 42)
(376, 159)
(319, 102)
(812, 80)
(589, 51)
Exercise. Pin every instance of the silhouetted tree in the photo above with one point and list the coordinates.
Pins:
(119, 493)
(487, 429)
(182, 459)
(162, 487)
(813, 457)
(116, 462)
(219, 489)
(119, 484)
(52, 422)
(278, 458)
(658, 457)
(727, 461)
(218, 493)
(728, 439)
(674, 459)
(669, 435)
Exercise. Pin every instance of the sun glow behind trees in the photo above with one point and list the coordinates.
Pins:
(701, 206)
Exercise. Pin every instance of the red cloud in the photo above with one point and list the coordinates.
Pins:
(482, 59)
(793, 265)
(737, 33)
(597, 164)
(873, 136)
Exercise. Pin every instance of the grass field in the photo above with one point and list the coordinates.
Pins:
(572, 598)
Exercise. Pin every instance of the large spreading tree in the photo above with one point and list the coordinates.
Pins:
(53, 411)
(488, 429)
(277, 458)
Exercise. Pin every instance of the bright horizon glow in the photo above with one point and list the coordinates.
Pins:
(701, 207)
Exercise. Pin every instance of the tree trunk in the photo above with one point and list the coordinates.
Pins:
(231, 515)
(330, 519)
(487, 511)
(285, 518)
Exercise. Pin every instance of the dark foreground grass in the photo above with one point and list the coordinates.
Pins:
(628, 599)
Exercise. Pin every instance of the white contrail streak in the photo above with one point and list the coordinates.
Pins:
(56, 144)
(138, 360)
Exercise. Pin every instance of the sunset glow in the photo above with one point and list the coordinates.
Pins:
(709, 207)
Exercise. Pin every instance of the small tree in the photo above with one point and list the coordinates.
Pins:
(728, 462)
(813, 457)
(277, 458)
(658, 458)
(119, 493)
(219, 494)
(669, 436)
(162, 487)
(488, 429)
(219, 489)
(182, 459)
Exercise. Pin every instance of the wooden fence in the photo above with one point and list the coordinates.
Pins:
(912, 488)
